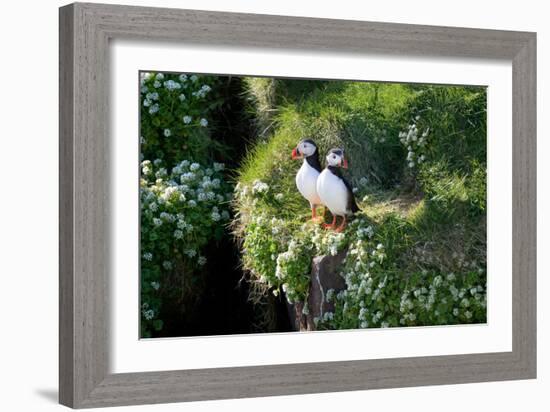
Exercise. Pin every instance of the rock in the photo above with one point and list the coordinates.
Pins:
(297, 320)
(324, 276)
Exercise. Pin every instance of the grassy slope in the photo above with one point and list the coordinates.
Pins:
(335, 114)
(431, 218)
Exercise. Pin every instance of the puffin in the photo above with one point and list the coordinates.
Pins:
(335, 191)
(306, 178)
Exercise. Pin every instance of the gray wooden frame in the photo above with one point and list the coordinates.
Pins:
(85, 31)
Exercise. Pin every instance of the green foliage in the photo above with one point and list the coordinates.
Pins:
(260, 95)
(183, 192)
(181, 213)
(454, 193)
(279, 251)
(382, 292)
(446, 147)
(176, 115)
(456, 117)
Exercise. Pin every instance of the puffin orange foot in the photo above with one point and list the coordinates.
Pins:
(314, 216)
(342, 226)
(331, 226)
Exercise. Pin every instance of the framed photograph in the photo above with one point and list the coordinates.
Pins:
(257, 205)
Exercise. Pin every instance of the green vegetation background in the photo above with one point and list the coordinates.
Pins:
(416, 254)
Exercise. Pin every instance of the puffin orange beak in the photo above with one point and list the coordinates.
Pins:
(345, 163)
(296, 154)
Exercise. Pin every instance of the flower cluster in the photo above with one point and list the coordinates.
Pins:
(377, 294)
(279, 251)
(181, 211)
(175, 115)
(293, 268)
(328, 242)
(415, 143)
(259, 187)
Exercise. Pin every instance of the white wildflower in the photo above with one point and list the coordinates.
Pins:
(190, 252)
(172, 85)
(154, 108)
(167, 216)
(259, 187)
(149, 314)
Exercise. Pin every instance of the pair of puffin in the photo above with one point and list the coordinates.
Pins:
(324, 187)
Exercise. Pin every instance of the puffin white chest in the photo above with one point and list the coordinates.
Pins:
(333, 193)
(306, 182)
